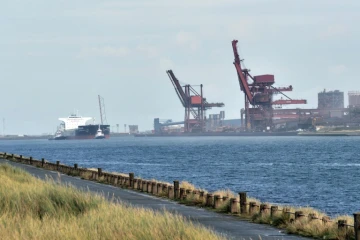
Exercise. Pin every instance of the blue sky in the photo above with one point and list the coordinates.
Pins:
(57, 56)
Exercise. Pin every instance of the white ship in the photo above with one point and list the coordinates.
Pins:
(99, 134)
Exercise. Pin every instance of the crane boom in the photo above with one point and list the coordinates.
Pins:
(242, 80)
(288, 101)
(178, 89)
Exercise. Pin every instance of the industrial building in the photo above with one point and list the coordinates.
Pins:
(133, 129)
(354, 99)
(330, 100)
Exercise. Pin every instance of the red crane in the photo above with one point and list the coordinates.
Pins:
(259, 96)
(194, 103)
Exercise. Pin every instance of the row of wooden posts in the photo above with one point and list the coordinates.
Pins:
(175, 192)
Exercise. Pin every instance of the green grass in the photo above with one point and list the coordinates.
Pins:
(34, 209)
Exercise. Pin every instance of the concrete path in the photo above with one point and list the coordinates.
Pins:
(230, 226)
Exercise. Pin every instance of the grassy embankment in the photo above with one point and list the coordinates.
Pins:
(311, 225)
(33, 209)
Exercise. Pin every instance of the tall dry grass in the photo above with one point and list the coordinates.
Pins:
(33, 209)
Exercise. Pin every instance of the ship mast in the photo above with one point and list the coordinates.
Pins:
(102, 110)
(101, 117)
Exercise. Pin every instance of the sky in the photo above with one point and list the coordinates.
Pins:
(58, 56)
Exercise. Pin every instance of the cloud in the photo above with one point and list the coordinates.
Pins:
(149, 51)
(334, 30)
(187, 39)
(338, 69)
(104, 52)
(165, 63)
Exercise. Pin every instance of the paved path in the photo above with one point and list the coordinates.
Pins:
(230, 226)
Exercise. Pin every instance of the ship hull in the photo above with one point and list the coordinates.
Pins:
(84, 132)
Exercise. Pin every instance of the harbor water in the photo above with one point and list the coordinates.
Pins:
(320, 172)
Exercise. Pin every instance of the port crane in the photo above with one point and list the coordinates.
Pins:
(259, 103)
(194, 103)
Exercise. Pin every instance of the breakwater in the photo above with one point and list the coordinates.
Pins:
(293, 219)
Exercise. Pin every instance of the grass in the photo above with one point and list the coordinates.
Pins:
(33, 209)
(306, 226)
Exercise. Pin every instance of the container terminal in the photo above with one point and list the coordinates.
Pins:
(262, 114)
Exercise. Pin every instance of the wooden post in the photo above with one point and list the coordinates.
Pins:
(21, 158)
(325, 220)
(75, 166)
(195, 195)
(135, 185)
(42, 162)
(217, 201)
(209, 200)
(242, 202)
(57, 165)
(139, 185)
(357, 225)
(299, 215)
(165, 188)
(159, 189)
(234, 203)
(30, 160)
(99, 172)
(131, 179)
(144, 186)
(170, 192)
(153, 188)
(252, 208)
(182, 192)
(176, 189)
(311, 217)
(201, 196)
(342, 225)
(264, 209)
(286, 213)
(273, 211)
(148, 189)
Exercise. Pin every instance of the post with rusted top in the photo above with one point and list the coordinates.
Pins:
(131, 179)
(164, 188)
(342, 226)
(170, 192)
(264, 209)
(286, 213)
(201, 196)
(273, 211)
(325, 220)
(299, 215)
(311, 216)
(148, 189)
(159, 188)
(242, 202)
(209, 200)
(217, 201)
(144, 186)
(195, 194)
(234, 203)
(357, 225)
(139, 184)
(176, 189)
(135, 186)
(182, 193)
(153, 188)
(252, 208)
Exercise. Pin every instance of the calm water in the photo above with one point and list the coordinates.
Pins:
(321, 172)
